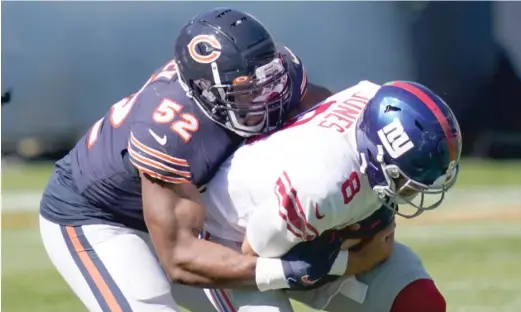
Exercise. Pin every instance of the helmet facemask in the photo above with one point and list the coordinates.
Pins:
(399, 188)
(249, 105)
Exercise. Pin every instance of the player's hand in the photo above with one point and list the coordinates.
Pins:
(307, 264)
(373, 252)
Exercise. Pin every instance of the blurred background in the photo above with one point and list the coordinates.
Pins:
(65, 63)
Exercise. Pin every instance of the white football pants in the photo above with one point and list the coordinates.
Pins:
(374, 291)
(114, 268)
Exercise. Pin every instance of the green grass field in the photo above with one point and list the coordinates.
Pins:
(475, 262)
(473, 172)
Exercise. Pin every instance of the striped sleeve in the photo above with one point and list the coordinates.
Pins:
(150, 157)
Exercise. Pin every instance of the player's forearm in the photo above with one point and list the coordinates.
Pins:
(205, 264)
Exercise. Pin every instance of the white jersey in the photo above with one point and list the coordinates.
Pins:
(296, 183)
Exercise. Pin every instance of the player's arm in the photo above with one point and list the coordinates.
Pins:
(288, 217)
(174, 215)
(314, 95)
(268, 236)
(307, 205)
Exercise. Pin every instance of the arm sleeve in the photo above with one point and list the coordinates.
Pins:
(158, 152)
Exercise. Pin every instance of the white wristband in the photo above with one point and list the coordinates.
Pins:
(340, 265)
(269, 274)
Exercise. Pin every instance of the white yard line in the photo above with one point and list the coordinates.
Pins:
(462, 198)
(21, 201)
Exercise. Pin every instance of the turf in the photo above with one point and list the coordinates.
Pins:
(25, 177)
(475, 264)
(473, 173)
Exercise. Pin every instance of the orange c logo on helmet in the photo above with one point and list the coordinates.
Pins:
(241, 80)
(210, 44)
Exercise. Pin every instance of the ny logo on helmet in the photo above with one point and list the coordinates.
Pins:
(394, 139)
(208, 45)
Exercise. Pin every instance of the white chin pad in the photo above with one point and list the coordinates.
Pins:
(238, 123)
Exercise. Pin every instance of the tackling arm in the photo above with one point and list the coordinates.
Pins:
(174, 216)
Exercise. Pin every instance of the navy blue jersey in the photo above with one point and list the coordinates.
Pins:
(159, 131)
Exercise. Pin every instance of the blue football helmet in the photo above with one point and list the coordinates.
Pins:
(229, 65)
(409, 146)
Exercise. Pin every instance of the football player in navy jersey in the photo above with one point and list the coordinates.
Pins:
(121, 214)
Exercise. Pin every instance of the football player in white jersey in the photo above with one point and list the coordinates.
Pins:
(344, 164)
